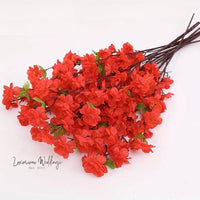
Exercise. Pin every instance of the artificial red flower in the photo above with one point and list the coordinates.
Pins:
(113, 97)
(23, 118)
(84, 140)
(90, 115)
(155, 104)
(127, 48)
(40, 89)
(143, 84)
(104, 53)
(35, 117)
(34, 74)
(42, 135)
(137, 144)
(119, 153)
(152, 119)
(94, 163)
(166, 96)
(72, 57)
(152, 69)
(64, 71)
(9, 96)
(63, 148)
(90, 70)
(165, 83)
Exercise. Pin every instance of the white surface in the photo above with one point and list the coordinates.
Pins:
(40, 32)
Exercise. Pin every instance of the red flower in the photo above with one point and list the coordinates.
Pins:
(143, 84)
(35, 117)
(63, 148)
(152, 119)
(9, 98)
(23, 118)
(152, 69)
(155, 104)
(119, 153)
(40, 89)
(90, 115)
(137, 144)
(113, 96)
(166, 96)
(89, 140)
(84, 140)
(90, 70)
(34, 74)
(110, 135)
(127, 48)
(64, 71)
(97, 97)
(94, 164)
(165, 83)
(78, 82)
(104, 53)
(72, 57)
(42, 135)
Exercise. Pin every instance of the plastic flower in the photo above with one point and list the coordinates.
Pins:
(90, 115)
(9, 96)
(104, 110)
(94, 164)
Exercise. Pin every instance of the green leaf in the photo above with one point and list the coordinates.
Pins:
(110, 163)
(24, 91)
(52, 127)
(103, 124)
(95, 53)
(26, 86)
(141, 107)
(62, 92)
(40, 101)
(96, 56)
(44, 71)
(90, 104)
(129, 93)
(101, 69)
(144, 141)
(60, 130)
(57, 130)
(141, 136)
(76, 145)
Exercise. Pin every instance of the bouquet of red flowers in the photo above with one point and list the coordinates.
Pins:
(102, 104)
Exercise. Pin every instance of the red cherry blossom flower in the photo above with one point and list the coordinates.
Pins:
(119, 153)
(152, 119)
(94, 164)
(9, 96)
(42, 135)
(138, 144)
(35, 117)
(90, 115)
(63, 148)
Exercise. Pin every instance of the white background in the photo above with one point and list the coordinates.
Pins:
(40, 32)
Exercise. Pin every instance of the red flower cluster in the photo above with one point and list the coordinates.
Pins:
(104, 109)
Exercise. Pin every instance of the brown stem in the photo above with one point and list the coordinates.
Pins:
(161, 55)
